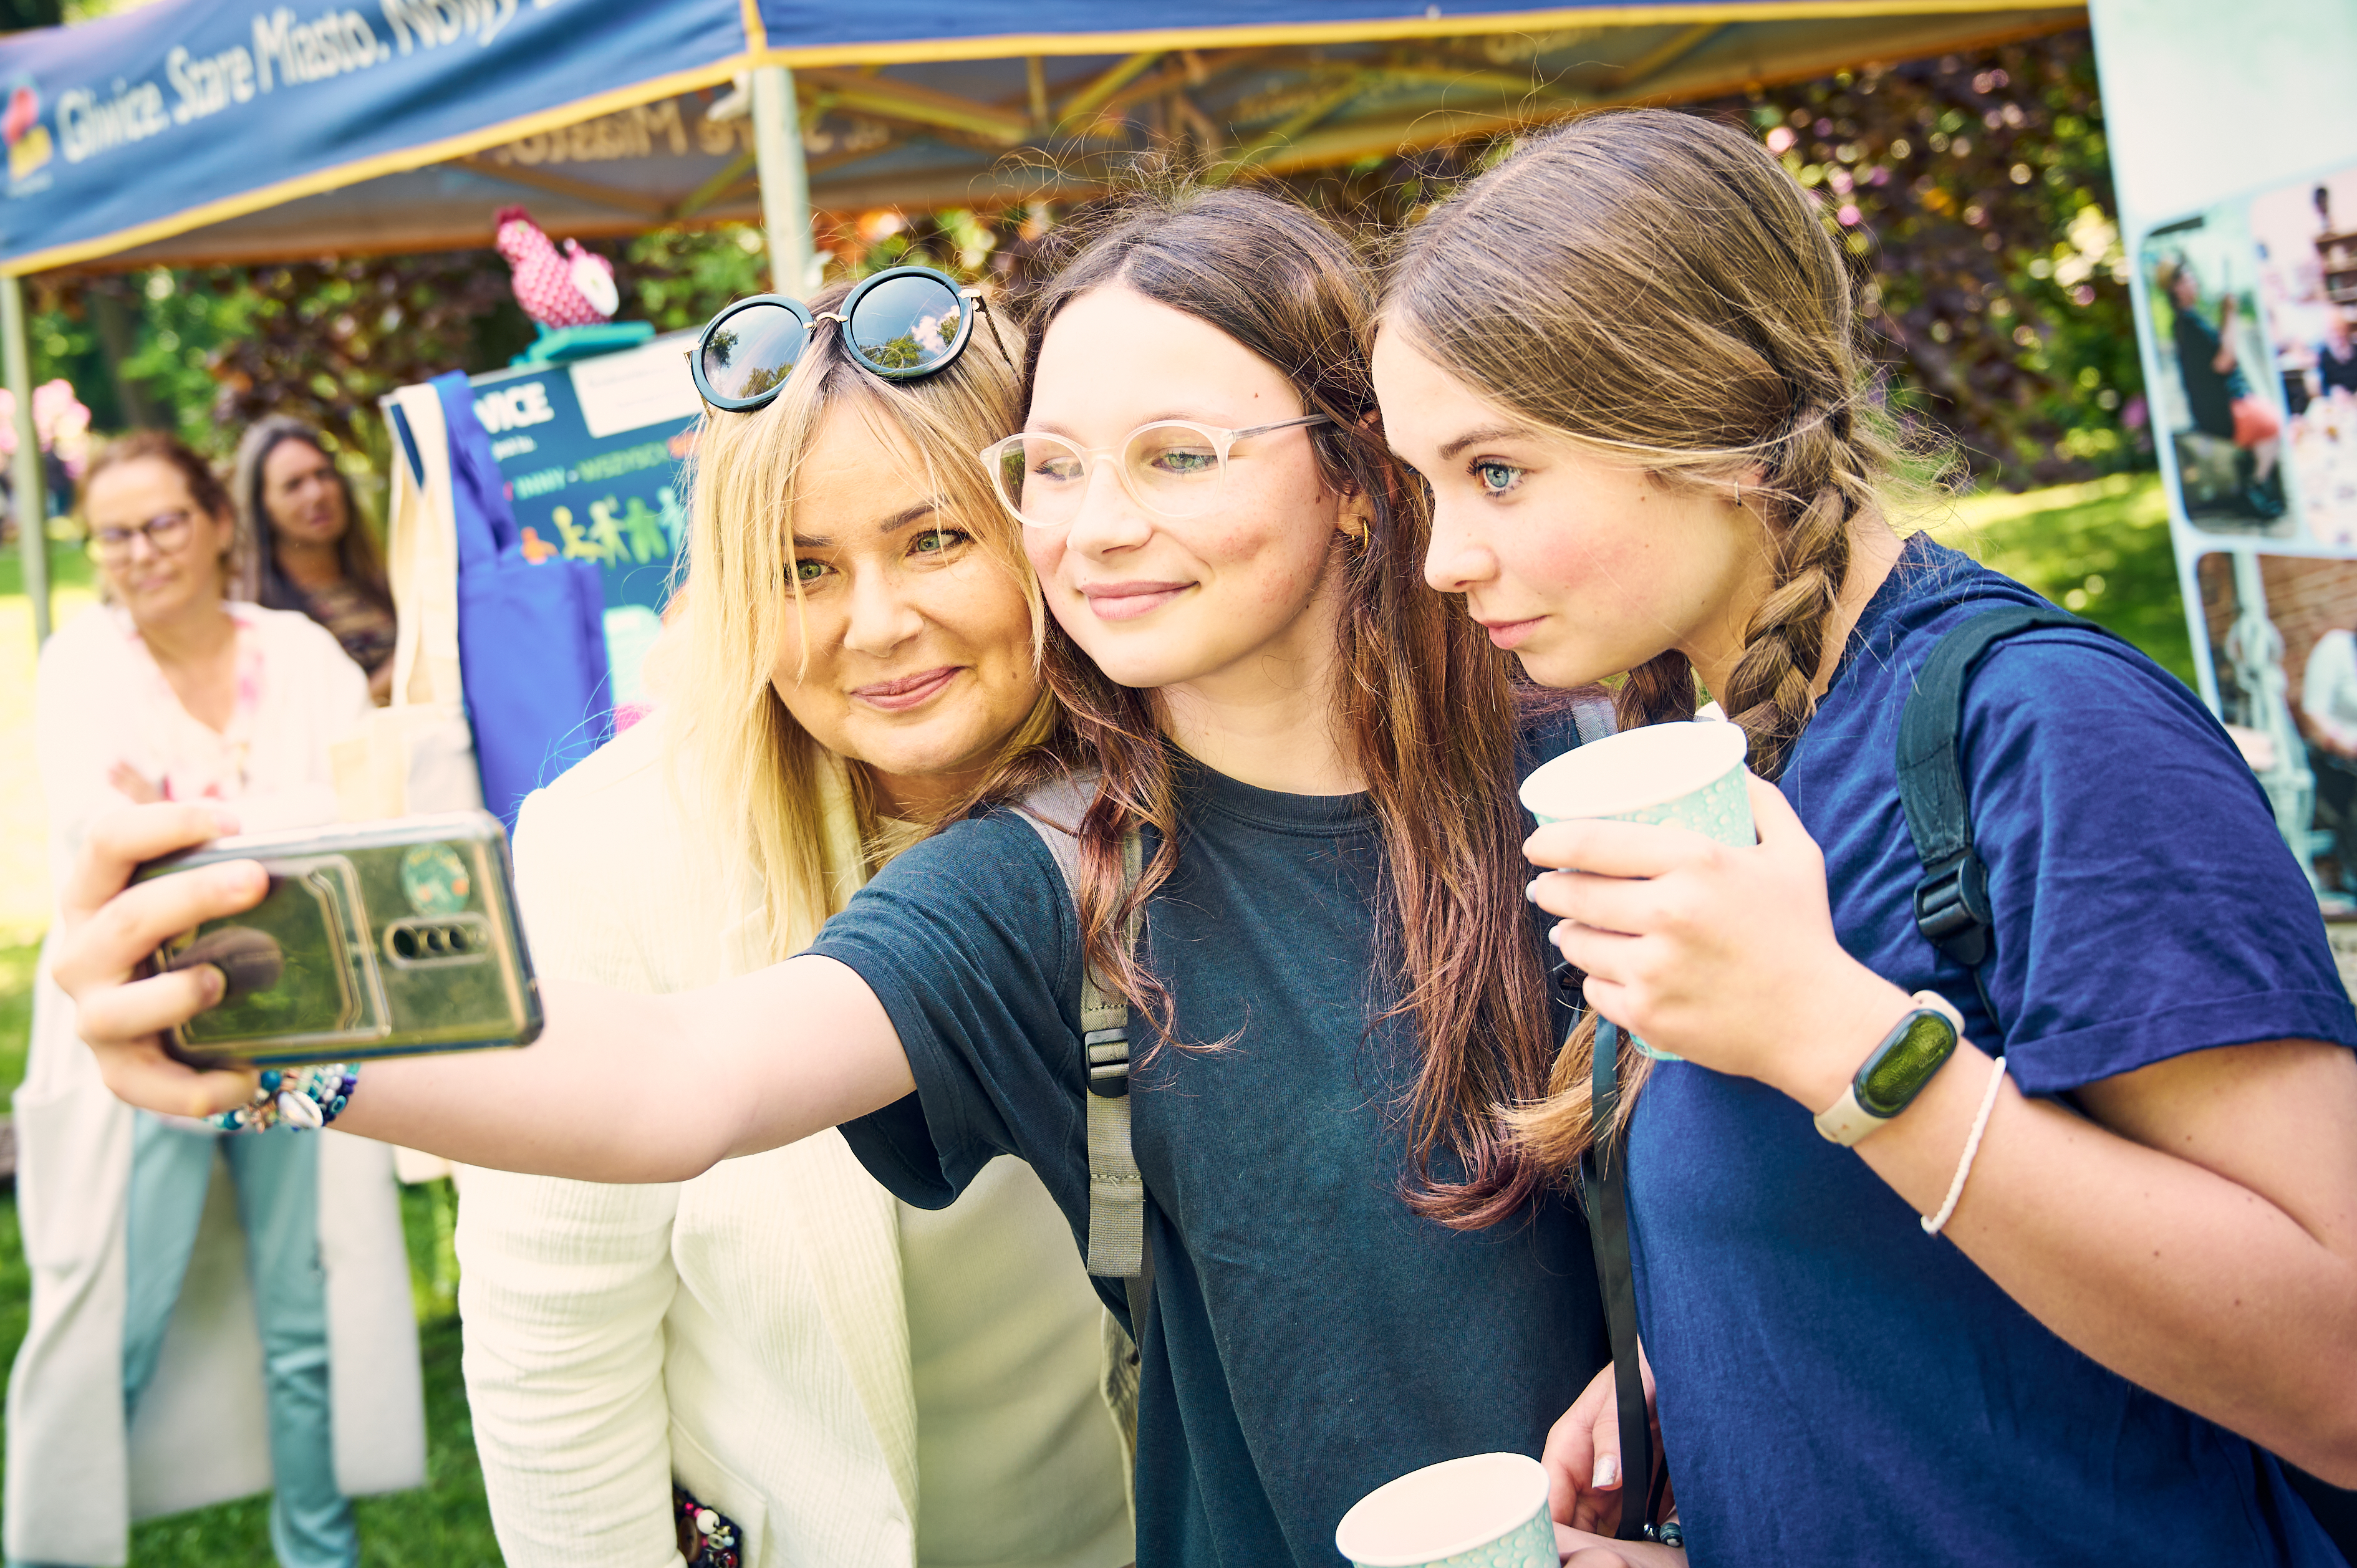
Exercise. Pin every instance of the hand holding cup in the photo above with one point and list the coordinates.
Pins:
(1721, 952)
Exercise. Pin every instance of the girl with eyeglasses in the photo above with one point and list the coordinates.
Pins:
(1354, 1272)
(170, 691)
(1627, 362)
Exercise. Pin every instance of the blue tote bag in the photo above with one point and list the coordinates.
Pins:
(532, 637)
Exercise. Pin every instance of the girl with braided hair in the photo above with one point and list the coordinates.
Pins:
(1626, 362)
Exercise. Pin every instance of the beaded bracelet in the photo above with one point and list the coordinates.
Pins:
(308, 1098)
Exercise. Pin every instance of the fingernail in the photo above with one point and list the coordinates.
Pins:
(1607, 1472)
(1532, 892)
(225, 825)
(212, 982)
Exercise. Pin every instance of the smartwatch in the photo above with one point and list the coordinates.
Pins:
(1896, 1072)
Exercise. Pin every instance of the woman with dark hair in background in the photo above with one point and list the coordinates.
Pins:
(310, 551)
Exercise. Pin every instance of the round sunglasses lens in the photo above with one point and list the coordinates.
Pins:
(752, 351)
(905, 324)
(1174, 469)
(1042, 479)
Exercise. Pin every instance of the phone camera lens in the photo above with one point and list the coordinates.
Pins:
(437, 941)
(405, 942)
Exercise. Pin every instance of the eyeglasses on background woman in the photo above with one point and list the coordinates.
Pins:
(164, 533)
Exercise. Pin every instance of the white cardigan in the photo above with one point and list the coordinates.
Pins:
(750, 1332)
(75, 1477)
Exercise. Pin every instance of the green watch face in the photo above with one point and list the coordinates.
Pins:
(1897, 1071)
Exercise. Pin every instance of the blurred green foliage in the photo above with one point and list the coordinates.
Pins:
(1976, 193)
(2100, 549)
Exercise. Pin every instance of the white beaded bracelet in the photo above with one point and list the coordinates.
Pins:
(1971, 1146)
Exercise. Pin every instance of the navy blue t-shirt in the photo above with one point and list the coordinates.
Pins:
(1311, 1337)
(1838, 1388)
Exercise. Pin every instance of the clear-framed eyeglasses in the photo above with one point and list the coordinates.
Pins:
(1172, 468)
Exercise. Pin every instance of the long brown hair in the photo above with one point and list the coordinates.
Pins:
(356, 551)
(1425, 709)
(1655, 287)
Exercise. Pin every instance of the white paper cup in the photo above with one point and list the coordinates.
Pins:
(1686, 775)
(1487, 1511)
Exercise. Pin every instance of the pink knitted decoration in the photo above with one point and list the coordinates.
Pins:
(572, 288)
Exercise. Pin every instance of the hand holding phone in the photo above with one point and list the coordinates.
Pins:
(375, 940)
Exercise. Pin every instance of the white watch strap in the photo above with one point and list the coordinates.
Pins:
(1844, 1122)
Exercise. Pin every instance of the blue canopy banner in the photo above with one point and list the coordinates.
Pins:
(823, 32)
(195, 132)
(190, 112)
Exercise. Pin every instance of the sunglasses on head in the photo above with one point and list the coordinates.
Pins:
(903, 324)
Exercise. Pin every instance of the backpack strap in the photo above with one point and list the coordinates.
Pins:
(1116, 1190)
(1604, 1175)
(1605, 1184)
(1952, 902)
(1592, 714)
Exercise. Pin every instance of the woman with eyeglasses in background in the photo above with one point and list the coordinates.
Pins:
(170, 691)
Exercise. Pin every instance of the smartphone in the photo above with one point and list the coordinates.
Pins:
(386, 938)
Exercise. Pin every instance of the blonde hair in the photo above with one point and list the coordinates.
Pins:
(765, 794)
(1656, 288)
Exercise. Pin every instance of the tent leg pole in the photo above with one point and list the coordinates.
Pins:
(29, 484)
(785, 180)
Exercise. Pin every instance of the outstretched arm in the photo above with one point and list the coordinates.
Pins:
(620, 1087)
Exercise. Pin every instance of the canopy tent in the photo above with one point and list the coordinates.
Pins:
(895, 113)
(203, 131)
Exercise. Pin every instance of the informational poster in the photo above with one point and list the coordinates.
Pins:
(2234, 153)
(593, 453)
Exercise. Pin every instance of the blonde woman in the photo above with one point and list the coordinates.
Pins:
(778, 1359)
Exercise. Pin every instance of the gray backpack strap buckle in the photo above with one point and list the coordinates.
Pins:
(1116, 1190)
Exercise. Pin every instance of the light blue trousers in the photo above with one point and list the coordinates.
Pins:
(276, 1176)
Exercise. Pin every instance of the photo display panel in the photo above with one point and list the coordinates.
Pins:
(2234, 161)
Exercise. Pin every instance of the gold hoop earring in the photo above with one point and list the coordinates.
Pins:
(1739, 494)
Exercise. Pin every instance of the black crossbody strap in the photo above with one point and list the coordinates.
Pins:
(1604, 1171)
(1952, 902)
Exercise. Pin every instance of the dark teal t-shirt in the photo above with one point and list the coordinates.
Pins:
(1837, 1387)
(1311, 1337)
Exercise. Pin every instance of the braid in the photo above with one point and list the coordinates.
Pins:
(1771, 692)
(1661, 689)
(1657, 287)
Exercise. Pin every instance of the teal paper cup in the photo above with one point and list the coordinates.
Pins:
(1487, 1512)
(1680, 774)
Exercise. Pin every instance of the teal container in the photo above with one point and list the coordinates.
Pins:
(1488, 1510)
(1685, 774)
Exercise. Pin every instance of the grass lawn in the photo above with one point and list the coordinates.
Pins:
(2099, 549)
(2102, 548)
